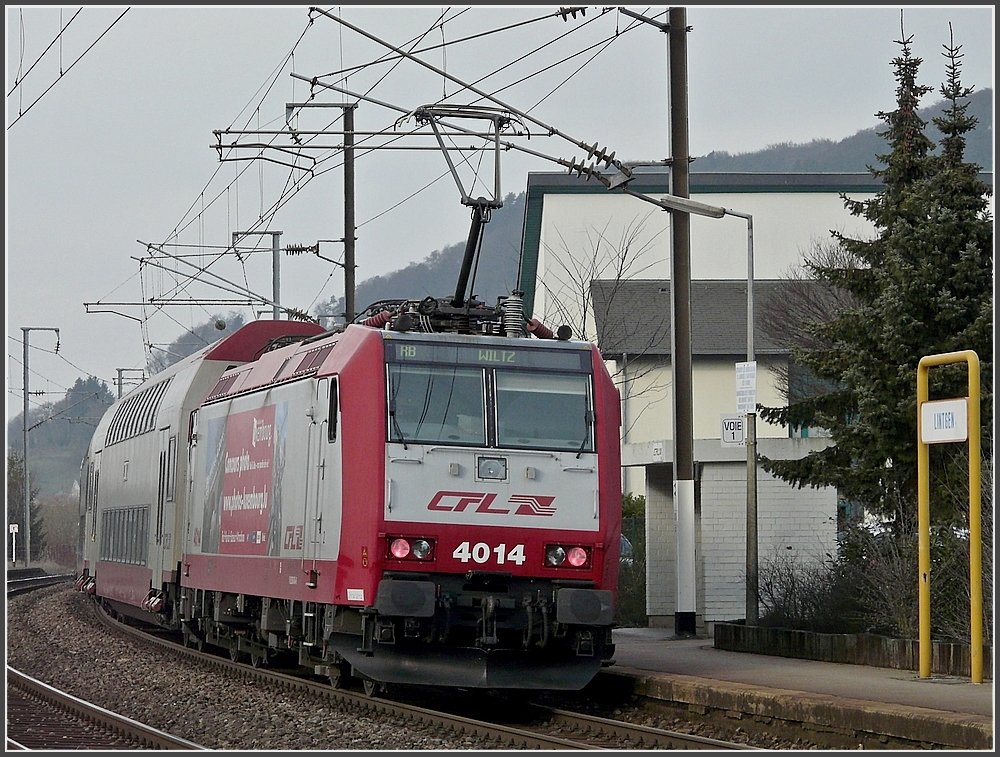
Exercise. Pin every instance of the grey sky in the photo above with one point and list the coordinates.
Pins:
(118, 150)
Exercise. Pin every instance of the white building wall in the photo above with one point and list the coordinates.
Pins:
(584, 235)
(798, 525)
(649, 406)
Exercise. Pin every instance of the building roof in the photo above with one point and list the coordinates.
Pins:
(634, 317)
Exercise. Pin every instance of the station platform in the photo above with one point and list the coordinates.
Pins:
(945, 710)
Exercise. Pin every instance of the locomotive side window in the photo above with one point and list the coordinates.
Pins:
(439, 404)
(544, 411)
(331, 426)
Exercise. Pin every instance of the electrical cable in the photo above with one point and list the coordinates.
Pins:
(20, 79)
(23, 113)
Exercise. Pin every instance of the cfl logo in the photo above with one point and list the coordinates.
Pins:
(479, 502)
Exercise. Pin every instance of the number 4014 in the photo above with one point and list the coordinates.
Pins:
(482, 553)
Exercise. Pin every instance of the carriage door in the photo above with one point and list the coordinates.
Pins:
(162, 531)
(316, 470)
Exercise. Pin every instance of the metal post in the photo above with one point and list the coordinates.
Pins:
(349, 229)
(24, 459)
(24, 418)
(972, 411)
(751, 567)
(275, 276)
(275, 267)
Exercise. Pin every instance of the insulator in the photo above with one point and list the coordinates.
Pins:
(378, 320)
(513, 316)
(539, 329)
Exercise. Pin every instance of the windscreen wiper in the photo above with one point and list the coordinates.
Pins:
(588, 419)
(395, 423)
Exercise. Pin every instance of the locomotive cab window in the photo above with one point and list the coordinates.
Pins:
(544, 411)
(436, 404)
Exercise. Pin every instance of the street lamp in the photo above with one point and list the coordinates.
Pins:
(684, 205)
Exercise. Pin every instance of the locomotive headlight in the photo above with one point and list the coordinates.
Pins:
(399, 548)
(421, 549)
(577, 557)
(555, 555)
(491, 468)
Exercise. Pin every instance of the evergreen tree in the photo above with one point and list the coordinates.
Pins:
(922, 285)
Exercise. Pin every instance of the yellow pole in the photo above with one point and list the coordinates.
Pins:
(975, 517)
(975, 514)
(923, 529)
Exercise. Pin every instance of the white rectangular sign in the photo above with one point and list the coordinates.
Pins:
(13, 528)
(733, 432)
(944, 421)
(746, 387)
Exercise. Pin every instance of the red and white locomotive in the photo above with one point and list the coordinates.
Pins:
(404, 500)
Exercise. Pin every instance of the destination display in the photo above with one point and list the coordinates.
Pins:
(423, 352)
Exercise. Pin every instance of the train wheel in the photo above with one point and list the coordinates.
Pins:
(340, 674)
(234, 651)
(258, 659)
(374, 688)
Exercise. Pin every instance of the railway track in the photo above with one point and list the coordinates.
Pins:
(511, 726)
(21, 582)
(40, 716)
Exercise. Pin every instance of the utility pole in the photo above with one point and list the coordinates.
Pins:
(24, 418)
(349, 229)
(275, 267)
(685, 616)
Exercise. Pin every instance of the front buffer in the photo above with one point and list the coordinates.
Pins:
(485, 630)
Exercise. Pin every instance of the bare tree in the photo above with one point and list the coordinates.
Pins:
(805, 302)
(612, 262)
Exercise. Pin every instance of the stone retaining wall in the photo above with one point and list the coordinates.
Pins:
(860, 649)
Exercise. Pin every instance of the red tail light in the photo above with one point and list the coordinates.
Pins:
(567, 556)
(410, 548)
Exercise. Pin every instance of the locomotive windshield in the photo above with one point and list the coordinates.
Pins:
(436, 404)
(509, 398)
(543, 410)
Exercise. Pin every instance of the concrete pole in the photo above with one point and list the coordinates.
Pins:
(686, 611)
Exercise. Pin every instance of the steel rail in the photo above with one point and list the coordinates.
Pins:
(132, 730)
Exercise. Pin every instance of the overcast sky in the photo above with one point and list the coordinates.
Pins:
(110, 126)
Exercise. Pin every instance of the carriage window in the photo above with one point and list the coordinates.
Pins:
(544, 411)
(436, 404)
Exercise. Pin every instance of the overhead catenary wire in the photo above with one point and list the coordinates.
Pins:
(24, 112)
(19, 79)
(592, 150)
(297, 181)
